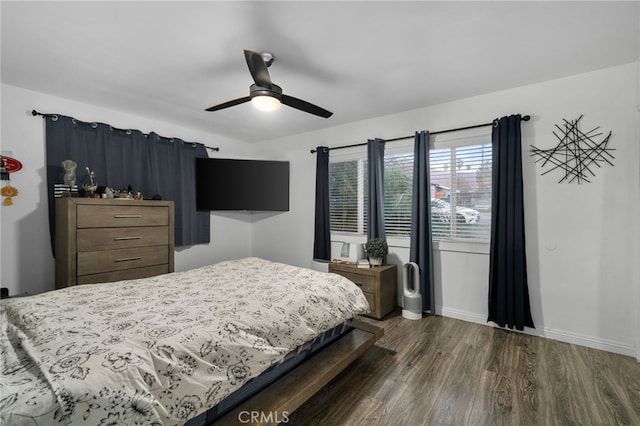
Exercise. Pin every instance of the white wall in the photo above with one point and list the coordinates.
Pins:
(637, 206)
(581, 251)
(27, 264)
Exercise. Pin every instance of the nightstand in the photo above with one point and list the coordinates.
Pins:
(378, 283)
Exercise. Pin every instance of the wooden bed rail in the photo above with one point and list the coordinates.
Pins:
(277, 401)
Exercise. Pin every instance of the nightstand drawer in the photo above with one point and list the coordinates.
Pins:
(95, 216)
(94, 239)
(371, 298)
(94, 262)
(366, 283)
(378, 285)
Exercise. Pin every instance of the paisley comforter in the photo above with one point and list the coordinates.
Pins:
(159, 350)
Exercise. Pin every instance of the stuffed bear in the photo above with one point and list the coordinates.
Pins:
(69, 172)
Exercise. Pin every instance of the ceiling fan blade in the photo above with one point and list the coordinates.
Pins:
(305, 106)
(258, 68)
(228, 104)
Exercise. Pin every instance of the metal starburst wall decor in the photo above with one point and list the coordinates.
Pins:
(577, 154)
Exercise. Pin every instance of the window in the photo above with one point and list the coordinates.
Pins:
(348, 196)
(346, 201)
(398, 193)
(460, 183)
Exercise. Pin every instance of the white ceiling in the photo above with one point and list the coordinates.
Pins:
(171, 60)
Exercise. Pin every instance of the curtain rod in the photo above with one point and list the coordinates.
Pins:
(34, 113)
(524, 118)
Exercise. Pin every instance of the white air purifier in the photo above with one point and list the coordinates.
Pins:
(411, 297)
(320, 265)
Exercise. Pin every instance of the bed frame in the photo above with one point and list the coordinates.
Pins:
(289, 392)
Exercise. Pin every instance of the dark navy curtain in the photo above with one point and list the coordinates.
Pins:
(149, 164)
(375, 207)
(508, 288)
(421, 248)
(173, 164)
(322, 233)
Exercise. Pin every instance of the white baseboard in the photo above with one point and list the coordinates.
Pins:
(560, 335)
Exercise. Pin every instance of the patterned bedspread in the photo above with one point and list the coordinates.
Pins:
(159, 350)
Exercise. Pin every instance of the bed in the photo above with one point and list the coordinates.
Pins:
(170, 349)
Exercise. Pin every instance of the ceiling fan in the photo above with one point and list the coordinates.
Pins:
(264, 94)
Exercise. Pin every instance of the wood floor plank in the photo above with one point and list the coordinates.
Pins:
(442, 371)
(631, 383)
(612, 399)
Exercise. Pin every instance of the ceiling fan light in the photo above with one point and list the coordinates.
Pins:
(266, 103)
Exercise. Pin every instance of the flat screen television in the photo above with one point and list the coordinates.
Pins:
(251, 185)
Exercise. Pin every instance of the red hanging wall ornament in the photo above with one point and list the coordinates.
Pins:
(8, 165)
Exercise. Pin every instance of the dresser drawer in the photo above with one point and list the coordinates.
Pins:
(94, 262)
(126, 274)
(96, 216)
(95, 239)
(365, 282)
(99, 241)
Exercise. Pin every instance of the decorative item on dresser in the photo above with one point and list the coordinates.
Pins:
(110, 240)
(379, 285)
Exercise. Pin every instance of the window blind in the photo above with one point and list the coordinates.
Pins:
(345, 181)
(460, 183)
(461, 192)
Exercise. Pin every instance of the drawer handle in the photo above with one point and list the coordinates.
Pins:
(127, 238)
(128, 216)
(127, 259)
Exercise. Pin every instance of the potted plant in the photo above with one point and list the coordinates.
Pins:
(377, 249)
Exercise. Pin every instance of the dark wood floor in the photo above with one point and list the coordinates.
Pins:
(442, 371)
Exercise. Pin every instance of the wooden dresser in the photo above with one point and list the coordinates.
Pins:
(101, 240)
(378, 283)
